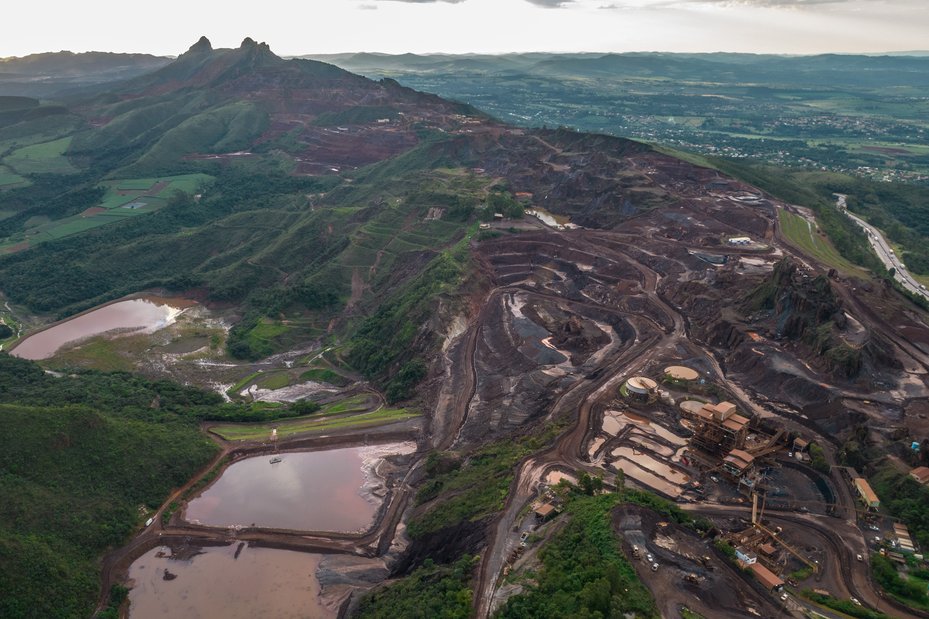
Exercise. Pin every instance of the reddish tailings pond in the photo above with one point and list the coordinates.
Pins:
(225, 581)
(146, 314)
(332, 490)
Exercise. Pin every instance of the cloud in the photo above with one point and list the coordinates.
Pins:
(425, 1)
(367, 7)
(786, 4)
(550, 4)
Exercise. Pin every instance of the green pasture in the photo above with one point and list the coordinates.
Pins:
(43, 158)
(134, 190)
(803, 235)
(9, 177)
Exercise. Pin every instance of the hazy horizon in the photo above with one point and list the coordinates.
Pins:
(788, 27)
(374, 52)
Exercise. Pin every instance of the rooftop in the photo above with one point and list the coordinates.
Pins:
(920, 474)
(680, 372)
(865, 489)
(642, 382)
(545, 510)
(768, 578)
(722, 411)
(739, 458)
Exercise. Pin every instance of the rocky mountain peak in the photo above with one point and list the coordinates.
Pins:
(201, 46)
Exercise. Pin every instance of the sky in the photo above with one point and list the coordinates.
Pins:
(293, 27)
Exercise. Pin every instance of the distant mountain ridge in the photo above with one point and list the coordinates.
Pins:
(46, 74)
(815, 70)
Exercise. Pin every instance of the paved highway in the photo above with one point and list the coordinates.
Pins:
(883, 251)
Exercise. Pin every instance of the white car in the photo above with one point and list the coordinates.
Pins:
(856, 602)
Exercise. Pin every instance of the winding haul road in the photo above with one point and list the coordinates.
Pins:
(844, 538)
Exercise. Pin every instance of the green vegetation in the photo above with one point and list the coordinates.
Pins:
(584, 572)
(905, 499)
(431, 591)
(278, 380)
(726, 548)
(379, 417)
(254, 337)
(843, 606)
(818, 459)
(381, 346)
(911, 592)
(80, 455)
(805, 236)
(465, 489)
(824, 112)
(118, 595)
(116, 201)
(352, 412)
(9, 177)
(802, 574)
(44, 158)
(324, 375)
(686, 613)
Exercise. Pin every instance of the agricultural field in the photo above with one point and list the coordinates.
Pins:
(122, 199)
(43, 158)
(9, 178)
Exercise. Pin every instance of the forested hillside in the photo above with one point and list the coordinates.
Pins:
(83, 458)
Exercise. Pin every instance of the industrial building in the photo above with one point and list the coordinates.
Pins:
(641, 387)
(920, 474)
(681, 373)
(545, 511)
(904, 541)
(745, 556)
(719, 428)
(865, 493)
(738, 462)
(766, 577)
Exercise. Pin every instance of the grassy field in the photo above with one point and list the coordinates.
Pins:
(803, 235)
(44, 158)
(146, 195)
(313, 423)
(8, 177)
(274, 381)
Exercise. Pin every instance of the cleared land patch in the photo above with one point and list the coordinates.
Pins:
(314, 423)
(803, 234)
(123, 198)
(9, 178)
(44, 158)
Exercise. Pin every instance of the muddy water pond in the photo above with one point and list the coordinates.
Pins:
(146, 314)
(225, 581)
(332, 490)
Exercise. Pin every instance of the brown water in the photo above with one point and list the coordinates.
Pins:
(145, 314)
(306, 491)
(648, 462)
(647, 479)
(656, 428)
(260, 582)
